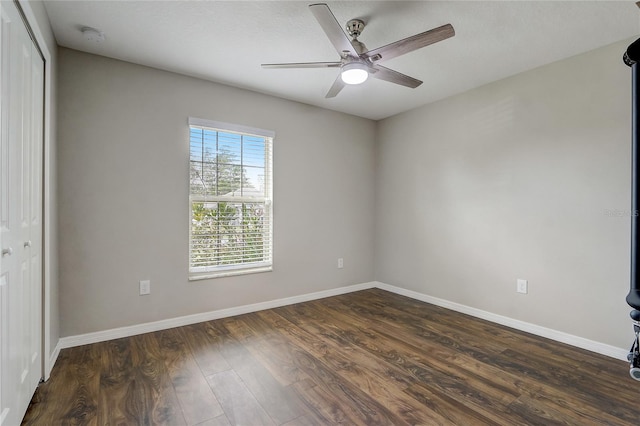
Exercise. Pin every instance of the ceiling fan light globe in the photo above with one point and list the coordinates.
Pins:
(354, 73)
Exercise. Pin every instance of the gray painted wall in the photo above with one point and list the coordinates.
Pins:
(123, 174)
(528, 177)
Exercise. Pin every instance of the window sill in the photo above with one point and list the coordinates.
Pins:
(229, 273)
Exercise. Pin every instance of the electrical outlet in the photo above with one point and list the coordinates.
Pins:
(522, 286)
(340, 263)
(145, 287)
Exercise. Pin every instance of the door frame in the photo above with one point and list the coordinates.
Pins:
(49, 269)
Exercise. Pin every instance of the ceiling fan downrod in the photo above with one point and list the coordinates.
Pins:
(354, 28)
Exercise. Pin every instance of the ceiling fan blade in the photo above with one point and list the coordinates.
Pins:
(304, 65)
(410, 44)
(336, 87)
(386, 74)
(332, 29)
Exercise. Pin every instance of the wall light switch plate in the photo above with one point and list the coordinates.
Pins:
(340, 263)
(522, 286)
(145, 287)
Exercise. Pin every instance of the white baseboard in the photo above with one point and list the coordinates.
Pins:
(52, 361)
(559, 336)
(116, 333)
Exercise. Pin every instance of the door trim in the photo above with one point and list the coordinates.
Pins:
(48, 185)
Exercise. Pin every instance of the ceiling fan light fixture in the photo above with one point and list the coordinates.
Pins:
(354, 73)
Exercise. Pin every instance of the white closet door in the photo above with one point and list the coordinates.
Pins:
(21, 111)
(32, 242)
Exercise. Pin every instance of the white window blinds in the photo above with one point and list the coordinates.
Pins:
(230, 199)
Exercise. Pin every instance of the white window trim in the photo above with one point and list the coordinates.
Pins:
(204, 272)
(230, 127)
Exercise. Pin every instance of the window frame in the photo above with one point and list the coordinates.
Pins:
(208, 272)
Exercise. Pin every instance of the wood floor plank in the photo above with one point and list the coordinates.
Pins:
(326, 405)
(149, 397)
(205, 342)
(362, 408)
(276, 358)
(545, 414)
(510, 337)
(341, 337)
(305, 420)
(218, 421)
(491, 390)
(394, 320)
(591, 396)
(364, 358)
(196, 399)
(550, 389)
(278, 401)
(367, 388)
(578, 378)
(367, 374)
(240, 406)
(71, 393)
(400, 349)
(453, 410)
(116, 377)
(382, 380)
(528, 387)
(562, 407)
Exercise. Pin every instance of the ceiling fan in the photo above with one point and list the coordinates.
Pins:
(356, 62)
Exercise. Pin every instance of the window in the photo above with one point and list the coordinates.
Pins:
(230, 199)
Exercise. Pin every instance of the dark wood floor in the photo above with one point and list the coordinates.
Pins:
(369, 358)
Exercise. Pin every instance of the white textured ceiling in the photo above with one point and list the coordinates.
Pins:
(226, 41)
